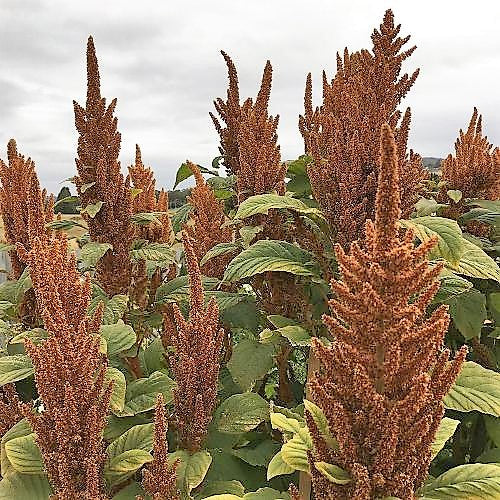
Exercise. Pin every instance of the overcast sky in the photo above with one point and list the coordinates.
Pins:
(161, 60)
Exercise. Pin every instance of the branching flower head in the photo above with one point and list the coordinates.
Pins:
(382, 381)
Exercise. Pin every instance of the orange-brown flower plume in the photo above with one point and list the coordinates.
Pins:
(382, 381)
(196, 360)
(249, 138)
(159, 477)
(99, 180)
(69, 373)
(145, 200)
(9, 408)
(475, 167)
(342, 135)
(16, 205)
(205, 226)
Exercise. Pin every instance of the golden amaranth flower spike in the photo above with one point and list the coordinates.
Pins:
(342, 135)
(99, 180)
(195, 362)
(69, 373)
(382, 380)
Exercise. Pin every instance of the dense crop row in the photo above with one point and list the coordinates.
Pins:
(323, 328)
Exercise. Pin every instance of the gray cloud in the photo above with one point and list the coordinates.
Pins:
(162, 61)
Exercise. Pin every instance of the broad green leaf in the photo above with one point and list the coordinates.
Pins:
(17, 486)
(269, 255)
(92, 252)
(493, 429)
(494, 306)
(117, 401)
(451, 285)
(450, 244)
(468, 311)
(158, 252)
(476, 389)
(294, 451)
(177, 290)
(490, 456)
(119, 337)
(476, 263)
(454, 194)
(64, 225)
(6, 247)
(141, 393)
(85, 187)
(93, 209)
(446, 429)
(20, 429)
(266, 494)
(130, 492)
(154, 356)
(116, 426)
(114, 308)
(321, 423)
(284, 423)
(212, 488)
(262, 203)
(225, 300)
(67, 199)
(37, 336)
(481, 481)
(241, 413)
(428, 207)
(220, 249)
(124, 465)
(24, 456)
(184, 172)
(146, 218)
(14, 368)
(248, 234)
(296, 334)
(260, 455)
(249, 362)
(277, 467)
(333, 473)
(493, 205)
(192, 469)
(180, 216)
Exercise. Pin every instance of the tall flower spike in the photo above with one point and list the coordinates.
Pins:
(342, 135)
(249, 138)
(474, 169)
(196, 359)
(99, 181)
(9, 408)
(69, 373)
(159, 477)
(382, 380)
(205, 225)
(145, 200)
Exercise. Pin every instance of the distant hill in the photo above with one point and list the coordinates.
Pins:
(432, 164)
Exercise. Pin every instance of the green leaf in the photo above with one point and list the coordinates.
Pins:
(124, 465)
(476, 263)
(248, 234)
(277, 467)
(266, 494)
(6, 247)
(296, 334)
(64, 225)
(14, 368)
(67, 199)
(321, 423)
(493, 429)
(260, 455)
(184, 172)
(446, 429)
(285, 423)
(192, 469)
(17, 486)
(476, 389)
(333, 473)
(262, 203)
(219, 249)
(180, 216)
(146, 218)
(114, 308)
(141, 393)
(226, 300)
(294, 451)
(177, 290)
(450, 244)
(468, 311)
(130, 492)
(428, 207)
(117, 401)
(92, 252)
(119, 337)
(494, 306)
(269, 255)
(481, 481)
(85, 187)
(158, 252)
(454, 194)
(93, 209)
(250, 362)
(450, 286)
(37, 336)
(21, 428)
(154, 356)
(219, 488)
(23, 454)
(241, 413)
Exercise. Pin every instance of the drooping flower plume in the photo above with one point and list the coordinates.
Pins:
(69, 373)
(9, 408)
(382, 381)
(197, 344)
(205, 226)
(100, 183)
(342, 135)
